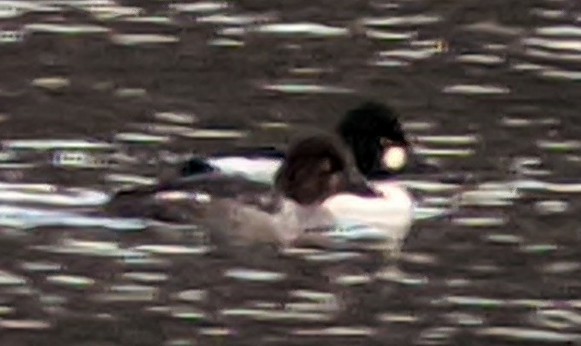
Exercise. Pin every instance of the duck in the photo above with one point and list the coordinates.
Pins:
(371, 131)
(318, 197)
(377, 142)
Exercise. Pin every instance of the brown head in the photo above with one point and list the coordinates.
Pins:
(316, 167)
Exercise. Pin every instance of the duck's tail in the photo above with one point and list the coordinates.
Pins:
(133, 202)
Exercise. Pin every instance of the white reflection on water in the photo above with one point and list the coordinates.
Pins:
(20, 217)
(50, 195)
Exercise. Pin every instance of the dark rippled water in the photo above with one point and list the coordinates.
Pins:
(97, 94)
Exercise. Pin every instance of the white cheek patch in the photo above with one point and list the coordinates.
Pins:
(394, 158)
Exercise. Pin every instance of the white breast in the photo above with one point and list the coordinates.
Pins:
(345, 217)
(387, 218)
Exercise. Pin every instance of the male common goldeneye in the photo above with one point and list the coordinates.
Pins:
(371, 131)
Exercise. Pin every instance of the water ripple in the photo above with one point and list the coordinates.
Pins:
(199, 7)
(254, 275)
(148, 76)
(560, 319)
(30, 218)
(529, 334)
(476, 89)
(303, 88)
(420, 19)
(310, 29)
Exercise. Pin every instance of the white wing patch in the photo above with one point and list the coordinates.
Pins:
(257, 169)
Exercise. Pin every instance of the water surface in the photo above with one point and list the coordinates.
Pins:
(96, 95)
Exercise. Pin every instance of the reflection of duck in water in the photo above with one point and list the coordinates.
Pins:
(315, 189)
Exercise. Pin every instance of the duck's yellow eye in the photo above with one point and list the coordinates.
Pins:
(394, 158)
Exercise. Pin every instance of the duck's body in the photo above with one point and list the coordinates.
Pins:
(336, 222)
(296, 203)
